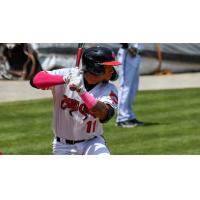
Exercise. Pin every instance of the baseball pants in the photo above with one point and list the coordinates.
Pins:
(95, 146)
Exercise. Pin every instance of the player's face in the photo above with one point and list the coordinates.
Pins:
(108, 72)
(92, 79)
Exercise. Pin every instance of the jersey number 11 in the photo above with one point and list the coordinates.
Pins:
(91, 126)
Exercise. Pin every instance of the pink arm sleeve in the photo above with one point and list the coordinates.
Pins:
(89, 100)
(44, 80)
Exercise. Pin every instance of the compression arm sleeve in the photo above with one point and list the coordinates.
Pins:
(44, 80)
(88, 99)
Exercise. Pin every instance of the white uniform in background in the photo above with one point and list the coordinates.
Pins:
(129, 81)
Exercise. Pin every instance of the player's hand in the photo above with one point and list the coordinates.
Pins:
(74, 71)
(132, 51)
(76, 81)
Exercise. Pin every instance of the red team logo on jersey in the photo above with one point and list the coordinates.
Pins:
(74, 105)
(113, 97)
(70, 103)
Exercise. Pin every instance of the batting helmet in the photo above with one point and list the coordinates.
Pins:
(95, 58)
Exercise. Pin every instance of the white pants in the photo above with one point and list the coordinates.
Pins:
(94, 146)
(129, 81)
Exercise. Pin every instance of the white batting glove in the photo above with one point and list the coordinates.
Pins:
(74, 71)
(66, 79)
(76, 81)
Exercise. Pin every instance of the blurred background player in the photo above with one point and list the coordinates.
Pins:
(129, 56)
(78, 115)
(22, 60)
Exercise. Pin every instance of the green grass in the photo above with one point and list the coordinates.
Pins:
(25, 127)
(171, 118)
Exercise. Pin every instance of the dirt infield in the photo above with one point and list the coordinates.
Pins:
(174, 81)
(21, 90)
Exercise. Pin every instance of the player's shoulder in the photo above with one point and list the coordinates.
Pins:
(60, 72)
(108, 86)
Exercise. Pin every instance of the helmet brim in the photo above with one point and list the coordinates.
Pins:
(111, 63)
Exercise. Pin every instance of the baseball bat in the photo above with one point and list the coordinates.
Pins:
(79, 54)
(78, 58)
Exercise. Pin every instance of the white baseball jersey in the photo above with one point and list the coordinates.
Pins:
(71, 118)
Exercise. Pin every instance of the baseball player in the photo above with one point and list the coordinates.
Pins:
(78, 115)
(129, 56)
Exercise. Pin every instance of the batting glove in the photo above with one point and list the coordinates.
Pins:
(76, 81)
(74, 71)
